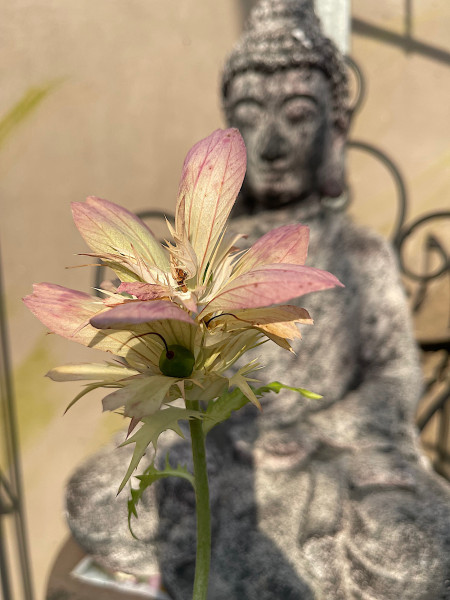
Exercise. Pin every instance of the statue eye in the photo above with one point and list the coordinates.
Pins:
(248, 113)
(300, 110)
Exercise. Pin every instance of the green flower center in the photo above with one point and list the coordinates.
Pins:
(176, 361)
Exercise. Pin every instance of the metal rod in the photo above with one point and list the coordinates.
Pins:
(4, 572)
(398, 181)
(12, 449)
(437, 405)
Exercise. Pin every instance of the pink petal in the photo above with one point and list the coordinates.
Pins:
(287, 244)
(64, 311)
(271, 284)
(143, 291)
(110, 229)
(67, 313)
(212, 176)
(133, 313)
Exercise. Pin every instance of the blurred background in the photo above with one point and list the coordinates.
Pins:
(137, 84)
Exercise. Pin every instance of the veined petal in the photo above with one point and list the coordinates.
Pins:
(278, 323)
(270, 284)
(111, 229)
(134, 313)
(67, 312)
(287, 244)
(91, 371)
(212, 176)
(62, 310)
(141, 397)
(174, 332)
(144, 291)
(276, 319)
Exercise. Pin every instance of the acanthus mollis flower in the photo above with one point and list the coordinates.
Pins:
(184, 312)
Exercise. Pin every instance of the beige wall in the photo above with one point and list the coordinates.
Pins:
(139, 87)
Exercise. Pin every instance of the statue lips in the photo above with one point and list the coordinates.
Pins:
(275, 180)
(273, 174)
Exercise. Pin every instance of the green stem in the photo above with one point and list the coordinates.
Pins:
(203, 558)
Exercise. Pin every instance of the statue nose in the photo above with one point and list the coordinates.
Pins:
(274, 147)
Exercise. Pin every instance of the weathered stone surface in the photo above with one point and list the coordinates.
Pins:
(98, 517)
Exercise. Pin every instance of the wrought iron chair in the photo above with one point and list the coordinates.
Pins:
(433, 414)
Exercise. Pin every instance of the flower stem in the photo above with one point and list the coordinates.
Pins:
(203, 557)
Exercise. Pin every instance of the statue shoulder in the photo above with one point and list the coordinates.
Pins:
(368, 249)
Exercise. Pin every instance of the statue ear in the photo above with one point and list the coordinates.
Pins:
(332, 176)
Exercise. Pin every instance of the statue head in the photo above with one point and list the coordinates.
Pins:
(285, 88)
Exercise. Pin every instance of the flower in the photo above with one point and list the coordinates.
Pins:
(184, 312)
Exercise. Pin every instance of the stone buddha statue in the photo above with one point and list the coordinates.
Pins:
(325, 499)
(285, 87)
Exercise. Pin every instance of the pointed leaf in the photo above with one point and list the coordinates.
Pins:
(240, 381)
(89, 388)
(221, 409)
(276, 386)
(150, 431)
(24, 108)
(149, 476)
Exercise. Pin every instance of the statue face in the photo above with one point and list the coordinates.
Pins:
(284, 119)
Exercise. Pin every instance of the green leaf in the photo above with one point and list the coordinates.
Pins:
(89, 388)
(149, 476)
(150, 431)
(276, 386)
(23, 108)
(221, 409)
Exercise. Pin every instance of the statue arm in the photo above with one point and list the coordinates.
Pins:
(378, 407)
(388, 349)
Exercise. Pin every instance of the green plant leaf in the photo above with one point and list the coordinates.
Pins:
(276, 386)
(149, 476)
(23, 108)
(221, 409)
(89, 387)
(150, 431)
